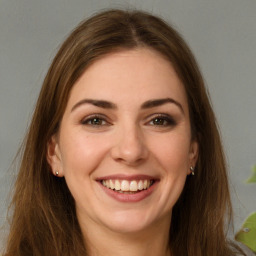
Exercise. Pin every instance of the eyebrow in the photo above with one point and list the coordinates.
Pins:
(159, 102)
(146, 105)
(97, 103)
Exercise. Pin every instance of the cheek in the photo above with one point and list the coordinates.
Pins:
(81, 153)
(172, 155)
(172, 152)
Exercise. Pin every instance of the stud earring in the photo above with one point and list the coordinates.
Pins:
(56, 173)
(192, 169)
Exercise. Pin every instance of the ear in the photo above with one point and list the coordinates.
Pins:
(193, 155)
(54, 156)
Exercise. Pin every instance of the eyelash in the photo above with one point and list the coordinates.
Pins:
(163, 119)
(89, 119)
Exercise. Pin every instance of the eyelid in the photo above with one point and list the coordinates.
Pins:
(94, 116)
(171, 121)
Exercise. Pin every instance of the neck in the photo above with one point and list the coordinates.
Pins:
(150, 242)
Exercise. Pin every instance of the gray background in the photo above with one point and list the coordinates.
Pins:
(221, 33)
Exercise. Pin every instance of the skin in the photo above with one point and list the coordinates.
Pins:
(126, 140)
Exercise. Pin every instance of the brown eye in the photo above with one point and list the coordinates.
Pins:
(162, 120)
(94, 121)
(159, 121)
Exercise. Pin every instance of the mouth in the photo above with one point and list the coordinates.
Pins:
(127, 186)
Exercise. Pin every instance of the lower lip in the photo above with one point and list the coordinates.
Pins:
(136, 197)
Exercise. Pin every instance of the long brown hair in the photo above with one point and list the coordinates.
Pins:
(44, 220)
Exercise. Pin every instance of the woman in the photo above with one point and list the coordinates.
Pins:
(123, 155)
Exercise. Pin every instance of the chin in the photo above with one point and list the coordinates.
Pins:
(133, 222)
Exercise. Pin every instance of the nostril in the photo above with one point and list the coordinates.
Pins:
(129, 146)
(130, 155)
(130, 162)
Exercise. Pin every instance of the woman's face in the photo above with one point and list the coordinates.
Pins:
(124, 144)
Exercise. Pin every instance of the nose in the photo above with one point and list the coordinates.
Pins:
(130, 147)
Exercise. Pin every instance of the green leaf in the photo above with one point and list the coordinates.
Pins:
(252, 179)
(247, 234)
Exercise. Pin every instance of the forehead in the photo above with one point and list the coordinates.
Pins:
(136, 75)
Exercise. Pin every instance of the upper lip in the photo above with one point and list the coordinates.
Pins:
(127, 177)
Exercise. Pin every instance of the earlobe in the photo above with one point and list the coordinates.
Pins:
(193, 156)
(53, 156)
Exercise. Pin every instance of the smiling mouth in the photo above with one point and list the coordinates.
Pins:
(126, 186)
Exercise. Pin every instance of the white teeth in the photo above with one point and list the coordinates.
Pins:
(117, 185)
(133, 186)
(111, 184)
(140, 185)
(145, 184)
(127, 186)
